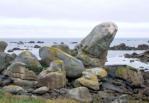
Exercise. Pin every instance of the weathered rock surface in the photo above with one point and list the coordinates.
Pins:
(56, 65)
(80, 94)
(41, 90)
(3, 46)
(21, 75)
(130, 74)
(5, 60)
(63, 47)
(73, 66)
(118, 99)
(91, 77)
(52, 80)
(28, 58)
(88, 80)
(146, 91)
(97, 43)
(18, 70)
(14, 89)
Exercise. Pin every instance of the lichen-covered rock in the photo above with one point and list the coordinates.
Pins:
(87, 60)
(99, 72)
(88, 80)
(73, 66)
(18, 70)
(97, 43)
(5, 60)
(56, 65)
(91, 77)
(130, 74)
(41, 90)
(24, 83)
(52, 80)
(28, 58)
(80, 94)
(14, 89)
(63, 47)
(3, 46)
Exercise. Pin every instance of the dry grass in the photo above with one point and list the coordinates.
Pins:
(8, 98)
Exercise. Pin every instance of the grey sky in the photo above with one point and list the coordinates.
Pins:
(72, 18)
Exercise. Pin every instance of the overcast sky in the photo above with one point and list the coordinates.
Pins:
(72, 18)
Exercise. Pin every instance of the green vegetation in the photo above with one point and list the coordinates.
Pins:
(36, 69)
(8, 98)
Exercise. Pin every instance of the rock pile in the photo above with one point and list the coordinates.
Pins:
(78, 74)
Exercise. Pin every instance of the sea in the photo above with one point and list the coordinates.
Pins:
(114, 57)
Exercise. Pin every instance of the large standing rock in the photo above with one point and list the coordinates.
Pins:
(133, 76)
(73, 66)
(3, 46)
(28, 58)
(5, 60)
(80, 94)
(18, 72)
(97, 43)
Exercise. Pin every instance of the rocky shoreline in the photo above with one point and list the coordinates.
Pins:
(123, 46)
(78, 74)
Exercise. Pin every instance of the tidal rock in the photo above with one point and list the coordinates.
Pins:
(133, 76)
(63, 47)
(28, 58)
(97, 43)
(73, 66)
(36, 46)
(40, 42)
(142, 56)
(80, 94)
(3, 46)
(122, 46)
(41, 90)
(14, 89)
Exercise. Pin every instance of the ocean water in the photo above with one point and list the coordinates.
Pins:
(115, 57)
